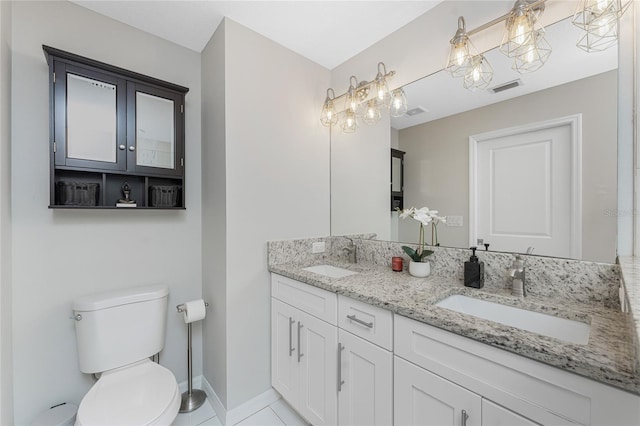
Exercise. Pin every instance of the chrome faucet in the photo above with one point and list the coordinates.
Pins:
(350, 250)
(516, 273)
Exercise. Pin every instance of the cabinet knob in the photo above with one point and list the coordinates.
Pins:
(122, 147)
(132, 148)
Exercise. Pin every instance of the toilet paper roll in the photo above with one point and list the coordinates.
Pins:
(194, 311)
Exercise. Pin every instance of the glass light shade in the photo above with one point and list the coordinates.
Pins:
(589, 11)
(461, 51)
(459, 57)
(381, 89)
(372, 113)
(601, 38)
(328, 117)
(479, 75)
(599, 19)
(349, 124)
(521, 28)
(533, 56)
(399, 105)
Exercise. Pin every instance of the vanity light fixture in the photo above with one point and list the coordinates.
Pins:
(523, 28)
(534, 54)
(523, 38)
(380, 85)
(599, 20)
(329, 116)
(462, 50)
(363, 101)
(349, 124)
(479, 75)
(399, 105)
(372, 113)
(352, 101)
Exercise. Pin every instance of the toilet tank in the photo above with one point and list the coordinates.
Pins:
(120, 327)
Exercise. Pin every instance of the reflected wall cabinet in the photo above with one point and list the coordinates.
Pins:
(117, 137)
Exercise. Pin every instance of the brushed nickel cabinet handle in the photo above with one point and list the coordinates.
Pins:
(465, 416)
(300, 354)
(359, 321)
(291, 348)
(340, 381)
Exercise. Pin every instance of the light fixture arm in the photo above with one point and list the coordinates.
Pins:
(537, 5)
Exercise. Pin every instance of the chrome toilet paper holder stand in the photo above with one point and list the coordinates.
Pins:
(192, 398)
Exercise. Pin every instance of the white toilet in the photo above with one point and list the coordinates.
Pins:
(116, 333)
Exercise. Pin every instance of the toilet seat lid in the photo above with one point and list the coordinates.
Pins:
(138, 394)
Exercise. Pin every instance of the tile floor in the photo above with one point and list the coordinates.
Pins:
(277, 414)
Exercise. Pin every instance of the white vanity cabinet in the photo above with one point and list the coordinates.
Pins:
(534, 392)
(495, 415)
(328, 374)
(365, 363)
(423, 398)
(304, 349)
(340, 361)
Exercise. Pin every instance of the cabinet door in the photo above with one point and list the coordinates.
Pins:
(318, 370)
(365, 396)
(495, 415)
(90, 118)
(284, 362)
(155, 133)
(423, 398)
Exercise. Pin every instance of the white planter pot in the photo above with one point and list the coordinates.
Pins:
(419, 269)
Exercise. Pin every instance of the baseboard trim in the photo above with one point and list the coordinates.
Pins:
(242, 411)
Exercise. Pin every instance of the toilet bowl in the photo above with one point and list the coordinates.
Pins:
(116, 333)
(144, 393)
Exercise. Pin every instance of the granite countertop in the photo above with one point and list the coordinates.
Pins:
(609, 356)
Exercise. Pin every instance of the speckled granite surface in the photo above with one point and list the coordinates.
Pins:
(609, 357)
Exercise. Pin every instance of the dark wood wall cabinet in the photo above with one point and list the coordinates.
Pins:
(397, 179)
(117, 137)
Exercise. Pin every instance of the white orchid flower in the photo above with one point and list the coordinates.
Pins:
(407, 212)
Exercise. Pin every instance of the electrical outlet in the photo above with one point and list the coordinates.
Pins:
(480, 241)
(454, 221)
(318, 247)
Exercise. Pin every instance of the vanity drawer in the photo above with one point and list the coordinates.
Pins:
(369, 322)
(312, 300)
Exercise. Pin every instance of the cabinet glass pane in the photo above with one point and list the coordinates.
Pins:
(155, 135)
(91, 119)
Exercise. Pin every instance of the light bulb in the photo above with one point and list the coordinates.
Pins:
(381, 88)
(372, 114)
(398, 105)
(520, 30)
(480, 74)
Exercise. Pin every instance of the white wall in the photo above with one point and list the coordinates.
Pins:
(60, 255)
(6, 363)
(214, 213)
(276, 187)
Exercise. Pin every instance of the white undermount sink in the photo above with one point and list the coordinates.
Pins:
(329, 271)
(547, 325)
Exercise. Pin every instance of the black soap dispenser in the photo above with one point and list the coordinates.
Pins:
(473, 271)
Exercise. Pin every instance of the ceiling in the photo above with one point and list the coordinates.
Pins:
(327, 32)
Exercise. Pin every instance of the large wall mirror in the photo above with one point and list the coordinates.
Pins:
(457, 162)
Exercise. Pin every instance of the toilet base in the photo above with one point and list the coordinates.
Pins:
(192, 401)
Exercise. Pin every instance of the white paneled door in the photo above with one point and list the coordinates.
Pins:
(525, 185)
